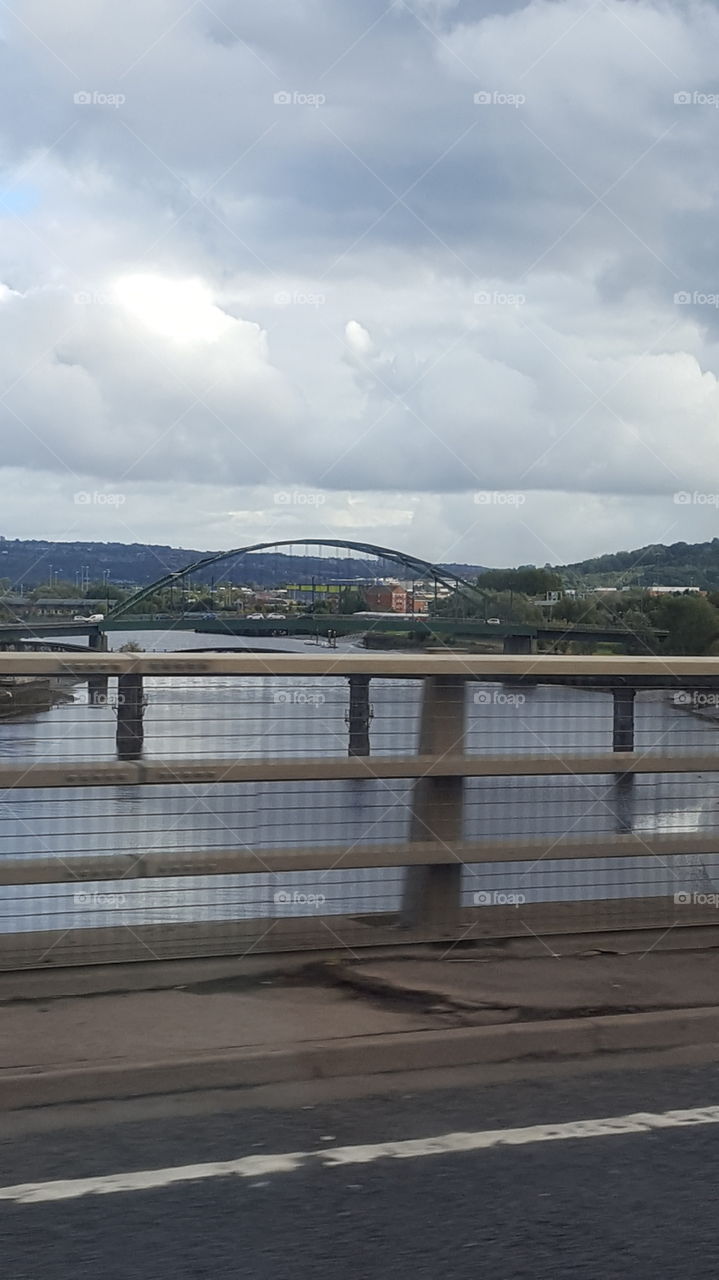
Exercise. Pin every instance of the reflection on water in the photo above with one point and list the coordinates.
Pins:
(233, 718)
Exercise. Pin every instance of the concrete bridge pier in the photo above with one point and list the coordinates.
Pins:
(130, 732)
(97, 685)
(359, 716)
(432, 893)
(623, 740)
(623, 720)
(519, 644)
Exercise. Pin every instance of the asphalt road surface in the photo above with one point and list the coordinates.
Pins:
(594, 1201)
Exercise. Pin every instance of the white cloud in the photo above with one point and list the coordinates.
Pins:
(378, 286)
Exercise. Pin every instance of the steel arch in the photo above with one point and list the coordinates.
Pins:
(425, 567)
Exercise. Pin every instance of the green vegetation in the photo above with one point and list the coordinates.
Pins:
(527, 580)
(351, 601)
(508, 606)
(692, 621)
(683, 564)
(104, 591)
(60, 590)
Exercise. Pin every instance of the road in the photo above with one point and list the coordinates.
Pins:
(607, 1204)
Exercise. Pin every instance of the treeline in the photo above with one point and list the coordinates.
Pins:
(682, 564)
(526, 579)
(691, 621)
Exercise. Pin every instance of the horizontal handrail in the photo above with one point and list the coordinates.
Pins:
(336, 663)
(163, 863)
(336, 768)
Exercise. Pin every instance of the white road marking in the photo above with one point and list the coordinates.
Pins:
(332, 1157)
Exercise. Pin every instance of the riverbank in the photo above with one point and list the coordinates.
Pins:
(27, 695)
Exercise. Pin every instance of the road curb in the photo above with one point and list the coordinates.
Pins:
(366, 1055)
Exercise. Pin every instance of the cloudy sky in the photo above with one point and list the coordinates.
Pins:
(436, 274)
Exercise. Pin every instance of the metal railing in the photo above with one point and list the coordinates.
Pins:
(172, 805)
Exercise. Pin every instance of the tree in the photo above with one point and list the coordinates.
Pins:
(351, 601)
(527, 580)
(62, 590)
(692, 623)
(582, 612)
(509, 606)
(203, 605)
(106, 590)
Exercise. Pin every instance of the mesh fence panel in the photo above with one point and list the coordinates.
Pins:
(640, 842)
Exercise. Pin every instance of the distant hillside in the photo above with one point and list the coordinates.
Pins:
(683, 564)
(30, 563)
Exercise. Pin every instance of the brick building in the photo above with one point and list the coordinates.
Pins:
(386, 597)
